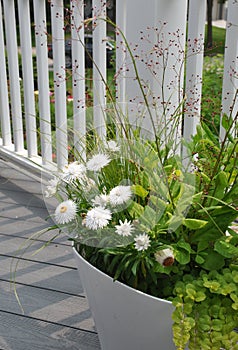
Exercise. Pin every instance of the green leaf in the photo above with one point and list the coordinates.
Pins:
(194, 224)
(134, 267)
(174, 222)
(159, 203)
(184, 245)
(221, 184)
(139, 191)
(202, 245)
(226, 249)
(182, 255)
(148, 218)
(199, 259)
(135, 210)
(212, 260)
(227, 122)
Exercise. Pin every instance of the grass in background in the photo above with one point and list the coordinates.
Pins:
(219, 36)
(212, 91)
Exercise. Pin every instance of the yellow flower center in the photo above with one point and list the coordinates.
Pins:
(63, 209)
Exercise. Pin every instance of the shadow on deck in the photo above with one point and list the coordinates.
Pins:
(56, 314)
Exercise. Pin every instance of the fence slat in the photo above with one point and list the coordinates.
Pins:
(28, 80)
(57, 22)
(194, 67)
(43, 80)
(157, 39)
(78, 74)
(13, 66)
(230, 78)
(99, 66)
(4, 101)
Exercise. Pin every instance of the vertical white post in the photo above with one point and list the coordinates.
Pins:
(121, 20)
(230, 79)
(12, 54)
(43, 80)
(57, 20)
(155, 32)
(194, 66)
(99, 66)
(78, 75)
(28, 81)
(4, 102)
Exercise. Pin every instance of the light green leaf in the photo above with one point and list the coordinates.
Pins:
(199, 259)
(135, 210)
(194, 224)
(148, 217)
(139, 191)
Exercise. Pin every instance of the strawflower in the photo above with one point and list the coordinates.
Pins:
(74, 171)
(124, 229)
(65, 212)
(120, 195)
(98, 162)
(97, 218)
(142, 242)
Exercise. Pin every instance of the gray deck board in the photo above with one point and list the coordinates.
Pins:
(18, 332)
(56, 313)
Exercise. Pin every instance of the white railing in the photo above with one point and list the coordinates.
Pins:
(27, 133)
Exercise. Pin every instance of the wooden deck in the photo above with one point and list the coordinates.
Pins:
(56, 314)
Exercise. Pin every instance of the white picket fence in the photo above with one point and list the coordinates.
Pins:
(27, 134)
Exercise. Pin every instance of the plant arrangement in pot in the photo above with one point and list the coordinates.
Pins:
(156, 214)
(146, 216)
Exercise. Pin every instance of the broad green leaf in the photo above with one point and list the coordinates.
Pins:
(148, 217)
(221, 184)
(202, 245)
(212, 260)
(135, 210)
(226, 249)
(182, 256)
(184, 245)
(159, 203)
(175, 221)
(194, 224)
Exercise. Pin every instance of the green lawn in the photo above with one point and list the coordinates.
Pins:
(219, 36)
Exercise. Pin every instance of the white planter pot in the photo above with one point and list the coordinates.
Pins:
(126, 319)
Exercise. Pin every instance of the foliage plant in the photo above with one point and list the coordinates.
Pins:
(150, 219)
(156, 212)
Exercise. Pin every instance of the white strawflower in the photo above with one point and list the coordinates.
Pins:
(97, 218)
(100, 200)
(142, 242)
(165, 257)
(65, 212)
(112, 146)
(74, 171)
(51, 189)
(119, 195)
(124, 229)
(98, 162)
